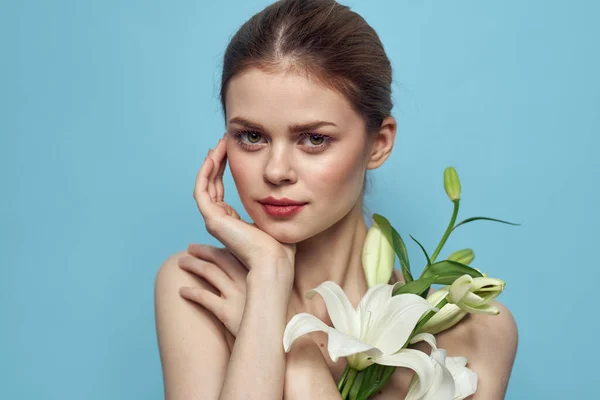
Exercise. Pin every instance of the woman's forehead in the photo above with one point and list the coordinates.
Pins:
(286, 96)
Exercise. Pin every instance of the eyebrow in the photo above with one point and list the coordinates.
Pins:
(294, 128)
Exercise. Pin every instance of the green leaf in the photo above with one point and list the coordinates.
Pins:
(397, 244)
(448, 271)
(425, 292)
(483, 218)
(402, 255)
(424, 252)
(416, 287)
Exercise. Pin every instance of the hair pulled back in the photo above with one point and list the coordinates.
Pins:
(323, 40)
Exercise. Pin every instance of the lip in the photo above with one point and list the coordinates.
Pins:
(280, 202)
(282, 211)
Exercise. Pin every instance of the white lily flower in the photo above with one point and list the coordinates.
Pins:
(375, 332)
(474, 294)
(452, 379)
(377, 256)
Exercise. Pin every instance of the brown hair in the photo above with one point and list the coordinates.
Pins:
(320, 39)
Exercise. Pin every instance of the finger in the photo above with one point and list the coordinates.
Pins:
(205, 298)
(220, 172)
(201, 194)
(210, 272)
(222, 257)
(212, 191)
(218, 156)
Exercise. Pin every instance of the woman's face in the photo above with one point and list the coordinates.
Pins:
(322, 166)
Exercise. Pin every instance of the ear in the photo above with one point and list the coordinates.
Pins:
(382, 143)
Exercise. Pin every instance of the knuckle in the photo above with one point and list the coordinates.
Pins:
(196, 194)
(204, 267)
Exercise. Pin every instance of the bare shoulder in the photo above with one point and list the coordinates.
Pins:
(188, 335)
(489, 342)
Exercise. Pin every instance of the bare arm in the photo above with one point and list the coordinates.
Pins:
(490, 344)
(496, 355)
(307, 375)
(257, 364)
(188, 335)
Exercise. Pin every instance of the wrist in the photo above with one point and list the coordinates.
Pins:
(271, 274)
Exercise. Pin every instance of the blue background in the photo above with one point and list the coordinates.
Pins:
(107, 109)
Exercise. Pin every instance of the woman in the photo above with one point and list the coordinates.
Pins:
(306, 94)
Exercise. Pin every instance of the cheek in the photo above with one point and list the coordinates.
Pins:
(342, 174)
(241, 171)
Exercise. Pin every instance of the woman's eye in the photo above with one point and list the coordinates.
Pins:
(253, 137)
(319, 139)
(312, 142)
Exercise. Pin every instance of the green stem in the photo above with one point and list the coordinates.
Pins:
(349, 381)
(343, 378)
(447, 233)
(355, 389)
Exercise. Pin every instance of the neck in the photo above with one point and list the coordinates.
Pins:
(333, 255)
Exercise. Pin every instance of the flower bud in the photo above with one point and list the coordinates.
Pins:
(448, 316)
(474, 294)
(452, 183)
(377, 256)
(464, 256)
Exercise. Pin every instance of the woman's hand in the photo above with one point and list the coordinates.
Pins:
(252, 246)
(225, 273)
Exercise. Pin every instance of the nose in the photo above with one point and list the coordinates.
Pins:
(279, 169)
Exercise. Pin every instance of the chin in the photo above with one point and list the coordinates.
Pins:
(287, 235)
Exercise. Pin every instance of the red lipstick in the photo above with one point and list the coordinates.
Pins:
(283, 207)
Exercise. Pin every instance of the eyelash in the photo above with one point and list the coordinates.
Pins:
(326, 141)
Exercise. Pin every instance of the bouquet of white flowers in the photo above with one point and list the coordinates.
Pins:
(374, 336)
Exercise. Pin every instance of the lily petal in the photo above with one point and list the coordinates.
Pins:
(338, 345)
(442, 385)
(481, 282)
(427, 337)
(459, 288)
(300, 325)
(371, 307)
(418, 362)
(342, 314)
(401, 314)
(375, 298)
(485, 309)
(456, 362)
(342, 345)
(465, 380)
(473, 299)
